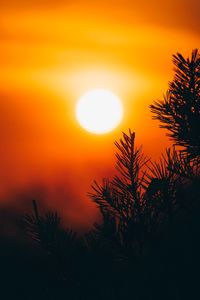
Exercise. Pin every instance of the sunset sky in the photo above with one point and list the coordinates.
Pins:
(52, 52)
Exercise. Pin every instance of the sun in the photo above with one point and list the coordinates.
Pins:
(99, 111)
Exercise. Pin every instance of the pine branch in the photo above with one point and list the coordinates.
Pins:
(179, 111)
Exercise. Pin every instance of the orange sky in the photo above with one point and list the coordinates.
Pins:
(54, 51)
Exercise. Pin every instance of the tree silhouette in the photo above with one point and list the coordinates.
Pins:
(121, 200)
(60, 244)
(145, 197)
(47, 231)
(179, 111)
(163, 182)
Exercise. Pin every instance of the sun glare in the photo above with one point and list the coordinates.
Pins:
(99, 111)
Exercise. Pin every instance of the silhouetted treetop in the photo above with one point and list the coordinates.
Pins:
(179, 111)
(47, 231)
(121, 200)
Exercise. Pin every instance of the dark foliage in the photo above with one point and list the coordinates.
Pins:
(61, 245)
(121, 200)
(144, 198)
(179, 111)
(47, 231)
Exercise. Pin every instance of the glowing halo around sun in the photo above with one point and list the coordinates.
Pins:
(99, 111)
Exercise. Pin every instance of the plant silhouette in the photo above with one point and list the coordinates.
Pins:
(46, 230)
(144, 198)
(60, 244)
(179, 111)
(121, 200)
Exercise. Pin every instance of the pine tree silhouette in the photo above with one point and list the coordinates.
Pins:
(58, 243)
(163, 182)
(121, 200)
(47, 231)
(179, 111)
(144, 196)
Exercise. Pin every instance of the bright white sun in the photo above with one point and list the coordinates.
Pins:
(99, 111)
